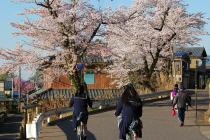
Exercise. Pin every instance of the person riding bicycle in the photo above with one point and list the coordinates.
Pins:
(130, 109)
(80, 103)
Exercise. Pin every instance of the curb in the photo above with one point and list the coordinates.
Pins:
(205, 131)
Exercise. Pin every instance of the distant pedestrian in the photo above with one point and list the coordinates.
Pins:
(130, 109)
(174, 92)
(181, 99)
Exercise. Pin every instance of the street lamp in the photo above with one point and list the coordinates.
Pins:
(198, 63)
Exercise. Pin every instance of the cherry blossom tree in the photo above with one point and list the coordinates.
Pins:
(60, 31)
(141, 45)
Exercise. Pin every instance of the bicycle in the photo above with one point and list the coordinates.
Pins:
(134, 130)
(81, 133)
(131, 135)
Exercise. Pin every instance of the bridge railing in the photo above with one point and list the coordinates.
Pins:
(102, 99)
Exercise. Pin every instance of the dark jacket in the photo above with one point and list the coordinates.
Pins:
(80, 103)
(181, 99)
(129, 111)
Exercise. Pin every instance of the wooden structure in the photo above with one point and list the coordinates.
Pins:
(187, 71)
(181, 65)
(98, 79)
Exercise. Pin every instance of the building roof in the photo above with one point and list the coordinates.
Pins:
(198, 52)
(181, 54)
(37, 92)
(96, 59)
(89, 60)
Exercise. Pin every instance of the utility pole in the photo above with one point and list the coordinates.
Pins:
(12, 78)
(198, 63)
(196, 92)
(20, 88)
(173, 65)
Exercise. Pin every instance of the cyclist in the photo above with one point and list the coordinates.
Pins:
(80, 103)
(130, 109)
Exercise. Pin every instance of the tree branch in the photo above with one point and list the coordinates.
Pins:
(130, 17)
(47, 5)
(163, 20)
(94, 32)
(150, 52)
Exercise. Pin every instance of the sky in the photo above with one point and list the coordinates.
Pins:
(9, 11)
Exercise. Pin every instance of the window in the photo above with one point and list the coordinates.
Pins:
(89, 77)
(178, 68)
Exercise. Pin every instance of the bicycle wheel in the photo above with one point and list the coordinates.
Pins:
(80, 132)
(80, 137)
(128, 137)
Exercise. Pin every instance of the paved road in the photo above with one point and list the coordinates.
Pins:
(158, 125)
(10, 129)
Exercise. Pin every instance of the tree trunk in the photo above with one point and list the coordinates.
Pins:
(148, 81)
(77, 78)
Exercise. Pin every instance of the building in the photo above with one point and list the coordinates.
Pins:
(180, 66)
(208, 66)
(190, 66)
(94, 75)
(11, 87)
(6, 88)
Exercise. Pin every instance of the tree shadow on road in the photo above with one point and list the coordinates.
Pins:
(67, 127)
(158, 103)
(195, 125)
(9, 137)
(9, 130)
(11, 125)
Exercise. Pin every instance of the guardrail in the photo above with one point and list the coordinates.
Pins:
(33, 129)
(159, 94)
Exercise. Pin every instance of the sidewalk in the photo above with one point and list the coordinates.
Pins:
(203, 102)
(203, 126)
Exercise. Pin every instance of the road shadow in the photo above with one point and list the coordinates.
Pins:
(9, 137)
(11, 125)
(9, 130)
(195, 125)
(159, 103)
(67, 127)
